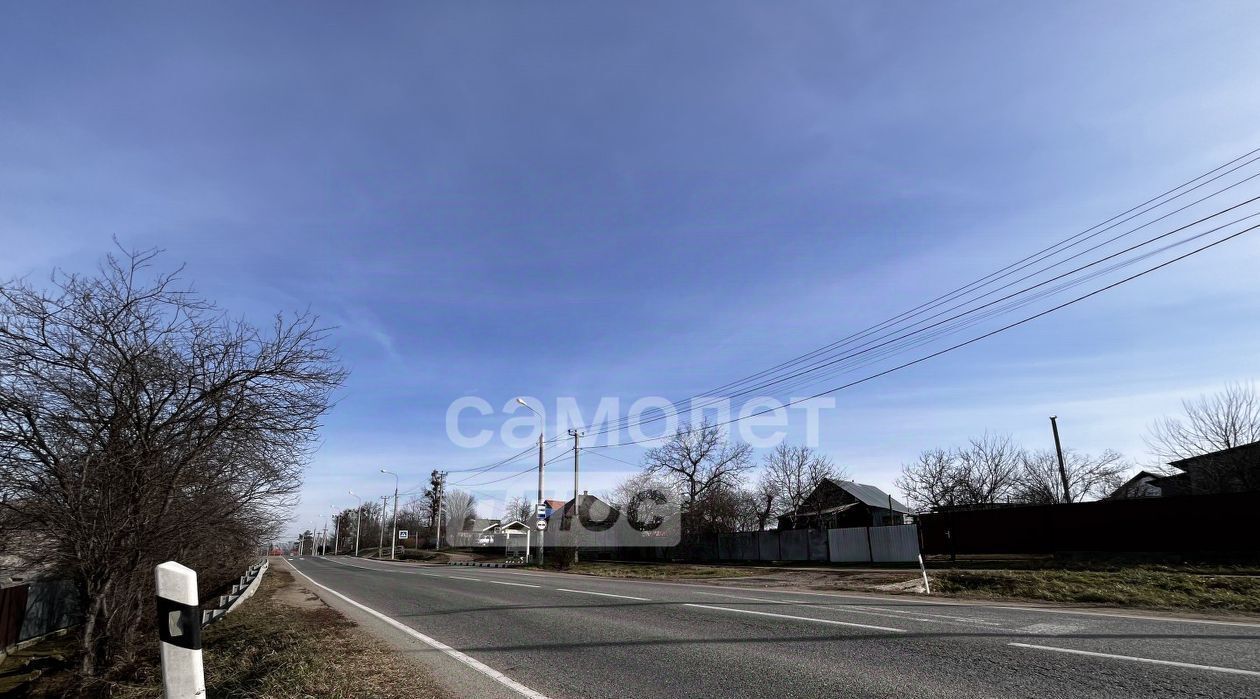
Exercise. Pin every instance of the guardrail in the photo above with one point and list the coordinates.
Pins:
(241, 591)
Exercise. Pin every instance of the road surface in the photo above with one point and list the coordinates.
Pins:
(508, 633)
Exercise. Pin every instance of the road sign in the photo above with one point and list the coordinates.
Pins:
(542, 524)
(402, 533)
(541, 509)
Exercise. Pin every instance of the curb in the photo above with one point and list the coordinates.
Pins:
(478, 564)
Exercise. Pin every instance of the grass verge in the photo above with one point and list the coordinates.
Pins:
(286, 643)
(1136, 587)
(660, 571)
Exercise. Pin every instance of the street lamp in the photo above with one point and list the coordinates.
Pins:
(542, 425)
(393, 540)
(358, 520)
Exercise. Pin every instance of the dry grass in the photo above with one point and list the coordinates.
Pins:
(1135, 587)
(661, 571)
(270, 648)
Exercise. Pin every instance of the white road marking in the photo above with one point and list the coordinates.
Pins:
(1051, 629)
(457, 577)
(505, 582)
(1152, 661)
(948, 603)
(603, 594)
(851, 610)
(797, 618)
(437, 645)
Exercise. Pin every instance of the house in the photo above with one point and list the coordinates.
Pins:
(592, 509)
(1234, 470)
(836, 504)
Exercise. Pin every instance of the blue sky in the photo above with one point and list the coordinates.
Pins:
(588, 200)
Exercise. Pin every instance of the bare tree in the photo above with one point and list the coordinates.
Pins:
(1212, 424)
(460, 509)
(932, 480)
(138, 424)
(696, 461)
(518, 508)
(986, 471)
(766, 500)
(794, 473)
(1088, 476)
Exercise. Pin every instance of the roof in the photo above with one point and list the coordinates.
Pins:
(1241, 450)
(480, 525)
(870, 495)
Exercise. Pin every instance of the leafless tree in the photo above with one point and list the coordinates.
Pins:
(767, 500)
(1211, 424)
(985, 471)
(459, 508)
(932, 480)
(518, 508)
(138, 424)
(1089, 476)
(696, 461)
(794, 472)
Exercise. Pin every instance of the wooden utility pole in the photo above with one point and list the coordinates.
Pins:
(1058, 448)
(574, 522)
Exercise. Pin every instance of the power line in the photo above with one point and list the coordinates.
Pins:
(868, 347)
(1017, 266)
(978, 338)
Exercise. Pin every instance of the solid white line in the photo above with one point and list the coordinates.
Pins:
(437, 645)
(505, 582)
(797, 618)
(1213, 668)
(604, 594)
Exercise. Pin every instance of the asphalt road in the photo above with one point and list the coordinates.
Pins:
(558, 635)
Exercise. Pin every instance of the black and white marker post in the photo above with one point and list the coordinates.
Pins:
(179, 628)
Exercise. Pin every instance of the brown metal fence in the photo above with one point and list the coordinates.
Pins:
(1194, 524)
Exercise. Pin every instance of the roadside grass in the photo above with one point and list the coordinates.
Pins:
(1134, 587)
(660, 571)
(270, 649)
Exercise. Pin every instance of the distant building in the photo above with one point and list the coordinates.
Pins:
(836, 504)
(1235, 470)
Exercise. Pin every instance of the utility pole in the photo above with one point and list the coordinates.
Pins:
(542, 533)
(323, 543)
(381, 546)
(1058, 448)
(574, 521)
(336, 528)
(437, 517)
(358, 521)
(393, 539)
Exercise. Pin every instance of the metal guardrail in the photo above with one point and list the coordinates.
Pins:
(212, 611)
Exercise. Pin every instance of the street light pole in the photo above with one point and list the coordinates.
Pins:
(393, 541)
(1058, 448)
(542, 425)
(358, 521)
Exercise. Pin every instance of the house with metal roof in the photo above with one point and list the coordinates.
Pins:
(837, 503)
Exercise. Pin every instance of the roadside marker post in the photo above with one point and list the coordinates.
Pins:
(927, 587)
(179, 629)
